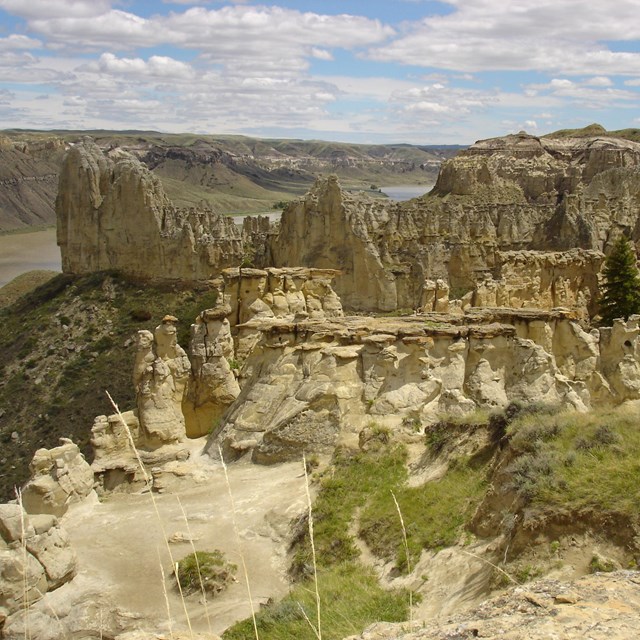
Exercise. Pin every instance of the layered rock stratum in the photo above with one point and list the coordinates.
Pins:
(492, 206)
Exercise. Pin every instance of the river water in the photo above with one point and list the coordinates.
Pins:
(406, 192)
(21, 252)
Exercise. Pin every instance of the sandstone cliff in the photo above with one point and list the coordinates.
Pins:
(501, 195)
(113, 214)
(491, 203)
(310, 385)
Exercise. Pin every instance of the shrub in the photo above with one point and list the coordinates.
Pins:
(212, 566)
(141, 315)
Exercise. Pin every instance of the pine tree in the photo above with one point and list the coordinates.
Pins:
(621, 288)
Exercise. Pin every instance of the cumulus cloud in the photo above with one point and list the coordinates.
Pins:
(482, 35)
(587, 93)
(44, 9)
(156, 66)
(19, 42)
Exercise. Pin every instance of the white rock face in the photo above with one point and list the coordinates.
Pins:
(161, 371)
(33, 559)
(113, 213)
(60, 477)
(308, 386)
(491, 202)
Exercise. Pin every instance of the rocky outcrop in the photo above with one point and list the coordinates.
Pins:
(59, 477)
(35, 557)
(501, 195)
(601, 606)
(309, 385)
(212, 387)
(160, 375)
(491, 202)
(113, 214)
(244, 294)
(542, 279)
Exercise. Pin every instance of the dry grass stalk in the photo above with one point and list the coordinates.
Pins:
(195, 555)
(317, 630)
(406, 551)
(164, 591)
(237, 534)
(495, 566)
(25, 567)
(149, 483)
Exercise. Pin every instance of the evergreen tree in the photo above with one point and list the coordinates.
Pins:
(621, 288)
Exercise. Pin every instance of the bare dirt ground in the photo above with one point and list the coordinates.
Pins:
(119, 541)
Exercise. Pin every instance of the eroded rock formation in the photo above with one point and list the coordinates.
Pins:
(59, 477)
(160, 375)
(309, 385)
(490, 203)
(113, 214)
(501, 195)
(35, 557)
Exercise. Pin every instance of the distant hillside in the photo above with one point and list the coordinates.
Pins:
(233, 174)
(28, 181)
(596, 129)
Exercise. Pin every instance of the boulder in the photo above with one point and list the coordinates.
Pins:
(60, 477)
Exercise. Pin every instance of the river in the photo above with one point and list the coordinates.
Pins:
(21, 252)
(406, 191)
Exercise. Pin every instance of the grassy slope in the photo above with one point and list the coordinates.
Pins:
(556, 462)
(61, 347)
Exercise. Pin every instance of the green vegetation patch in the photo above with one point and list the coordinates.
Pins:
(579, 461)
(350, 600)
(208, 570)
(65, 343)
(354, 478)
(434, 514)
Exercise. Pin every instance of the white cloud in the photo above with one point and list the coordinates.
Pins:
(45, 9)
(589, 94)
(321, 54)
(16, 41)
(545, 35)
(599, 81)
(156, 66)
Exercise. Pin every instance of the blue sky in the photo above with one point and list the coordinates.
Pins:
(384, 71)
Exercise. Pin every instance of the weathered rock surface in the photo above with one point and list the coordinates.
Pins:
(60, 477)
(501, 195)
(542, 279)
(35, 557)
(601, 607)
(160, 375)
(113, 214)
(289, 293)
(491, 202)
(308, 385)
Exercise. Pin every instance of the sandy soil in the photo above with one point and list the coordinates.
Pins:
(119, 541)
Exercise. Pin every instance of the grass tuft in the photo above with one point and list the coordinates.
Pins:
(352, 599)
(205, 570)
